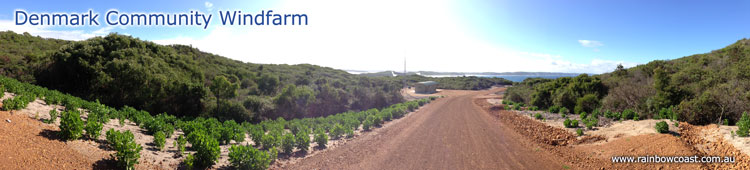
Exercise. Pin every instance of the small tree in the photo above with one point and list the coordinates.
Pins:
(743, 125)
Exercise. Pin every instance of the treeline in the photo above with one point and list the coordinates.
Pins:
(120, 71)
(458, 83)
(702, 88)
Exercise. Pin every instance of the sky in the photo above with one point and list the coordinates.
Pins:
(576, 36)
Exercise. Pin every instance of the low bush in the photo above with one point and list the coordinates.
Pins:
(159, 140)
(563, 110)
(665, 113)
(517, 107)
(18, 102)
(232, 131)
(568, 123)
(302, 141)
(591, 122)
(127, 151)
(287, 144)
(538, 116)
(71, 125)
(533, 108)
(554, 109)
(206, 147)
(247, 157)
(368, 123)
(52, 116)
(743, 125)
(337, 131)
(628, 114)
(579, 132)
(93, 128)
(321, 139)
(180, 144)
(662, 127)
(583, 115)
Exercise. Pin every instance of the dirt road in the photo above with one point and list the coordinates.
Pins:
(452, 133)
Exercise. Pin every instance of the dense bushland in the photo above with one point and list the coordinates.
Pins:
(180, 80)
(699, 89)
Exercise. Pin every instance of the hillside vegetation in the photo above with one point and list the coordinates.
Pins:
(119, 71)
(703, 88)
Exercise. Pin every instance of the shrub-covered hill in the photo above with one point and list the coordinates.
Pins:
(120, 70)
(702, 88)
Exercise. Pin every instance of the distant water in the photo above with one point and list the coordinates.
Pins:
(520, 78)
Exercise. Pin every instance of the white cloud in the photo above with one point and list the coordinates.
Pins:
(590, 43)
(46, 31)
(209, 6)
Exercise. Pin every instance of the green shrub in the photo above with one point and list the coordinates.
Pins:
(93, 128)
(517, 107)
(190, 161)
(71, 125)
(743, 125)
(506, 107)
(726, 122)
(287, 144)
(337, 131)
(52, 116)
(269, 141)
(533, 108)
(302, 141)
(591, 122)
(554, 109)
(159, 139)
(18, 102)
(568, 123)
(180, 144)
(579, 132)
(583, 115)
(128, 152)
(247, 157)
(538, 116)
(587, 103)
(232, 131)
(321, 138)
(563, 110)
(665, 113)
(662, 127)
(368, 123)
(206, 147)
(628, 114)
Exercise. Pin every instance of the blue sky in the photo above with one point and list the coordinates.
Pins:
(583, 36)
